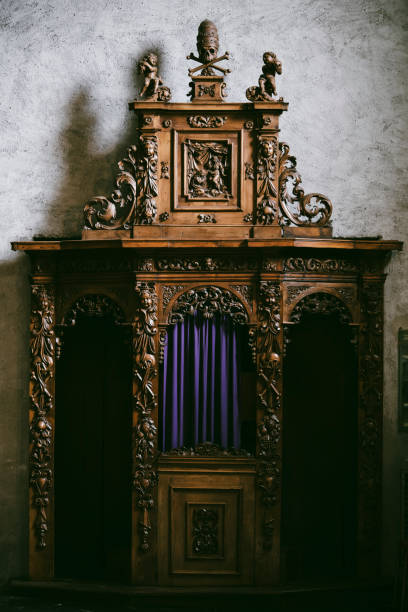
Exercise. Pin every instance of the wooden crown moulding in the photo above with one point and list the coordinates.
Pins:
(208, 169)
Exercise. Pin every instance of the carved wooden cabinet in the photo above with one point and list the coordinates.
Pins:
(208, 220)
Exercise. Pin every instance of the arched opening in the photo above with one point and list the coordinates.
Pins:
(93, 447)
(320, 448)
(208, 378)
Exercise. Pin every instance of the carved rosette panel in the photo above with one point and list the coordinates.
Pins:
(269, 401)
(42, 348)
(208, 301)
(267, 195)
(205, 531)
(295, 207)
(145, 433)
(370, 418)
(147, 180)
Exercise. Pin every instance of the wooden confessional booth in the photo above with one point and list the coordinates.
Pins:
(206, 363)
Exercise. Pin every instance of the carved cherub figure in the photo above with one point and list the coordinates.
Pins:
(153, 87)
(148, 67)
(267, 83)
(272, 66)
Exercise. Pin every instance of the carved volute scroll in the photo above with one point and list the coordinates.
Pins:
(145, 432)
(42, 347)
(269, 402)
(296, 207)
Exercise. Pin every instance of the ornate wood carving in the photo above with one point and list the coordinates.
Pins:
(266, 187)
(206, 264)
(165, 172)
(206, 218)
(321, 303)
(208, 301)
(207, 449)
(118, 211)
(246, 292)
(312, 264)
(143, 264)
(294, 292)
(145, 433)
(168, 292)
(206, 121)
(153, 88)
(370, 419)
(269, 398)
(42, 347)
(249, 171)
(147, 182)
(296, 207)
(267, 83)
(208, 169)
(205, 531)
(94, 305)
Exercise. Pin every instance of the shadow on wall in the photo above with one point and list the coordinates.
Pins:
(86, 173)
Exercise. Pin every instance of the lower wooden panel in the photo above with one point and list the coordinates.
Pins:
(206, 533)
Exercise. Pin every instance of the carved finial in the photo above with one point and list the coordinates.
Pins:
(207, 86)
(267, 84)
(153, 88)
(207, 47)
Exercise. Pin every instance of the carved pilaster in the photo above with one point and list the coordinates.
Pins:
(145, 404)
(147, 180)
(269, 404)
(267, 192)
(42, 348)
(370, 425)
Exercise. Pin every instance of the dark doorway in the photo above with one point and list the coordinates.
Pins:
(320, 447)
(93, 452)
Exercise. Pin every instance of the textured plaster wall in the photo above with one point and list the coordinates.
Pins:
(68, 68)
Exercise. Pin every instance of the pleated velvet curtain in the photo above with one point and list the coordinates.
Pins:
(200, 392)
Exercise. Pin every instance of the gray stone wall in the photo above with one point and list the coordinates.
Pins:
(68, 69)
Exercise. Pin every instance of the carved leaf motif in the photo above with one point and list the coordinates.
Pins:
(245, 291)
(296, 207)
(208, 301)
(203, 121)
(299, 264)
(169, 291)
(42, 347)
(210, 264)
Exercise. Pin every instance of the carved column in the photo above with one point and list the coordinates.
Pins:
(144, 431)
(370, 426)
(269, 392)
(41, 457)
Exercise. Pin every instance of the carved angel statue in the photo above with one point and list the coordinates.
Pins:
(153, 87)
(267, 83)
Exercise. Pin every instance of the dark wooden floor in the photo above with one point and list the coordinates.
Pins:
(21, 595)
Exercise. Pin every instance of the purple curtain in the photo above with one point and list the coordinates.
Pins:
(200, 399)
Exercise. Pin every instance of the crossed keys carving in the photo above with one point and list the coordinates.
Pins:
(208, 66)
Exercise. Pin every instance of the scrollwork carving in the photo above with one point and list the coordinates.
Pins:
(208, 264)
(208, 301)
(323, 304)
(168, 292)
(245, 291)
(118, 211)
(293, 292)
(205, 121)
(42, 348)
(295, 206)
(145, 433)
(94, 305)
(312, 264)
